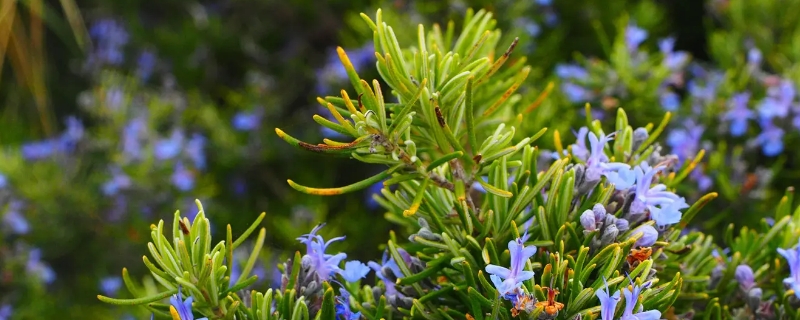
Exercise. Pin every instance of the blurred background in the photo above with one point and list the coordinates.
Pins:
(115, 114)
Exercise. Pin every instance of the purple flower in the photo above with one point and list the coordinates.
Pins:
(247, 121)
(608, 303)
(183, 178)
(14, 219)
(325, 265)
(634, 36)
(778, 101)
(110, 285)
(792, 257)
(770, 138)
(354, 271)
(181, 308)
(649, 236)
(38, 268)
(3, 181)
(739, 114)
(169, 148)
(506, 280)
(744, 274)
(194, 150)
(631, 298)
(119, 180)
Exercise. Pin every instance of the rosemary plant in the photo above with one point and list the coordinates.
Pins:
(496, 228)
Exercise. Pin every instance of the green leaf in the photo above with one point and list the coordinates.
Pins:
(143, 300)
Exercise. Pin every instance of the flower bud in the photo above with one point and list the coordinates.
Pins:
(639, 136)
(754, 298)
(609, 235)
(744, 274)
(599, 212)
(622, 225)
(588, 222)
(648, 238)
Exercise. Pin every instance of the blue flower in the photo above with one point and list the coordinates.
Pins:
(5, 312)
(576, 93)
(704, 182)
(3, 181)
(608, 303)
(770, 138)
(685, 142)
(530, 27)
(631, 298)
(325, 265)
(170, 147)
(181, 309)
(571, 71)
(194, 150)
(354, 271)
(663, 205)
(145, 64)
(183, 178)
(673, 60)
(39, 149)
(109, 36)
(792, 257)
(754, 57)
(374, 189)
(37, 267)
(247, 121)
(669, 213)
(634, 36)
(508, 281)
(343, 311)
(597, 164)
(132, 135)
(119, 180)
(649, 236)
(391, 289)
(14, 219)
(739, 114)
(579, 149)
(670, 101)
(778, 101)
(110, 285)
